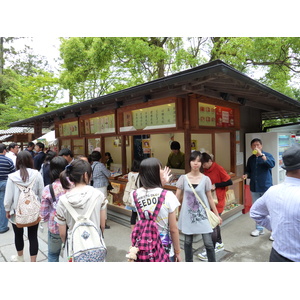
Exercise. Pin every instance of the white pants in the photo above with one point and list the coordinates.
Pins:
(103, 189)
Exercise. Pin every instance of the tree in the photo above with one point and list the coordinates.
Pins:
(276, 58)
(96, 66)
(4, 82)
(27, 85)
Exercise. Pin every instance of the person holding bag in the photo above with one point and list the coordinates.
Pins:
(100, 176)
(25, 176)
(151, 179)
(80, 197)
(220, 181)
(130, 186)
(193, 217)
(50, 198)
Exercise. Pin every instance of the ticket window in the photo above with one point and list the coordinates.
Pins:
(221, 152)
(65, 143)
(113, 146)
(78, 147)
(202, 142)
(93, 144)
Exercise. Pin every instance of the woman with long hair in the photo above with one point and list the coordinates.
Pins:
(24, 176)
(193, 219)
(220, 180)
(151, 180)
(133, 175)
(48, 206)
(79, 197)
(109, 160)
(45, 168)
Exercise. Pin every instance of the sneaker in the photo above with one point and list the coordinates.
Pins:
(202, 256)
(271, 238)
(257, 232)
(219, 247)
(17, 258)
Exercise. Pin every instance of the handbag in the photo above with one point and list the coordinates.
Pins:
(211, 216)
(109, 187)
(214, 196)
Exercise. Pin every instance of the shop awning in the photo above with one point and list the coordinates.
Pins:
(215, 79)
(49, 137)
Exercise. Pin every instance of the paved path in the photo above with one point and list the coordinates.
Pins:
(239, 245)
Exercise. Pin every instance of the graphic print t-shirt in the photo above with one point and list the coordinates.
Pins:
(148, 200)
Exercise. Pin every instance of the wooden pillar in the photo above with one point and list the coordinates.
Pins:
(38, 129)
(123, 154)
(233, 151)
(102, 148)
(29, 137)
(187, 133)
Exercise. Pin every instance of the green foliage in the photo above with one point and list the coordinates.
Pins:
(28, 87)
(94, 66)
(29, 96)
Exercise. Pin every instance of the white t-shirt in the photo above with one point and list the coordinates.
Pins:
(148, 200)
(12, 156)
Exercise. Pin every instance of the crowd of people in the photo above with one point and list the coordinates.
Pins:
(57, 177)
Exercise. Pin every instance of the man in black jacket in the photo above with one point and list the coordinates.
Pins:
(40, 156)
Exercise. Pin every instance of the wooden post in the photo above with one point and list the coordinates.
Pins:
(123, 154)
(187, 134)
(38, 129)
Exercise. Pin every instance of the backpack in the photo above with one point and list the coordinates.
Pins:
(145, 235)
(86, 241)
(28, 207)
(130, 186)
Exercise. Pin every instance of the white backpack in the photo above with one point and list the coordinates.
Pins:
(28, 207)
(86, 241)
(130, 186)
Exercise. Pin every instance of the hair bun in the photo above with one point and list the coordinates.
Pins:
(68, 169)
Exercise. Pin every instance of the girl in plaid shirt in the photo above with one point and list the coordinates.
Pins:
(48, 207)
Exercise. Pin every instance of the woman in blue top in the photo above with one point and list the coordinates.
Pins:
(100, 176)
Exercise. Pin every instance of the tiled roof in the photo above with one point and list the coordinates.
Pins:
(14, 130)
(4, 137)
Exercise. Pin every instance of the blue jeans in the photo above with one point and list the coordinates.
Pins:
(255, 196)
(3, 219)
(208, 243)
(54, 247)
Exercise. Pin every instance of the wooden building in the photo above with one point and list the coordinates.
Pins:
(208, 108)
(20, 135)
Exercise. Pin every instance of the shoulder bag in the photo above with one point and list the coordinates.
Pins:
(212, 218)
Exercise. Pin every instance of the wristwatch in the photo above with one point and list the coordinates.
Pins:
(262, 155)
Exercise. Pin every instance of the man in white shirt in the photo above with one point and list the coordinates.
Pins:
(13, 150)
(278, 210)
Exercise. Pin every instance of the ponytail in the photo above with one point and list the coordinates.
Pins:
(64, 180)
(74, 172)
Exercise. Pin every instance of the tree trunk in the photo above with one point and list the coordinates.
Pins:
(1, 56)
(2, 98)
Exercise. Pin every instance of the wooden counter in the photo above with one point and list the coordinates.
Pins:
(234, 197)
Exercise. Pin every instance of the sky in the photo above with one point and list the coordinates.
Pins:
(47, 46)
